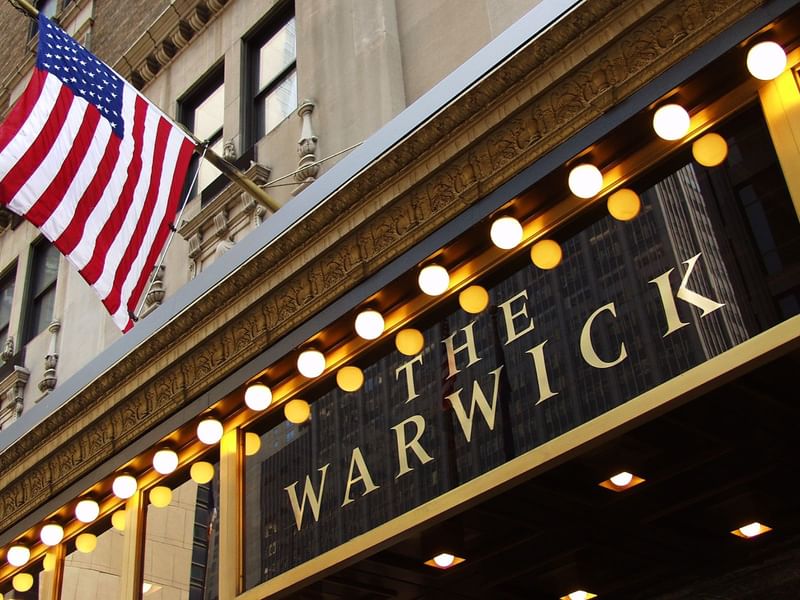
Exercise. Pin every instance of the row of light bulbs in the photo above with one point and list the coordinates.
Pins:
(765, 61)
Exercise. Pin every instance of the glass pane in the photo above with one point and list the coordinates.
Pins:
(208, 172)
(45, 267)
(94, 575)
(42, 312)
(181, 544)
(209, 114)
(277, 54)
(278, 104)
(6, 296)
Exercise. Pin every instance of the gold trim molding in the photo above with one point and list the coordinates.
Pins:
(598, 55)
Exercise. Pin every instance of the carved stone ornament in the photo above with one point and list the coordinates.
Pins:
(156, 294)
(8, 349)
(12, 389)
(49, 379)
(597, 55)
(308, 169)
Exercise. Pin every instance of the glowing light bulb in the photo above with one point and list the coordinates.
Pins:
(297, 411)
(622, 479)
(369, 324)
(474, 299)
(209, 431)
(18, 555)
(506, 233)
(671, 122)
(257, 396)
(751, 530)
(124, 486)
(165, 461)
(51, 534)
(444, 560)
(86, 543)
(409, 342)
(252, 443)
(22, 582)
(350, 378)
(710, 150)
(578, 595)
(160, 496)
(546, 254)
(434, 280)
(118, 520)
(766, 60)
(87, 510)
(311, 363)
(201, 472)
(585, 181)
(624, 205)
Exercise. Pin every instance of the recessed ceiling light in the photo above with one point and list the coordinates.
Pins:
(445, 560)
(751, 530)
(579, 595)
(622, 481)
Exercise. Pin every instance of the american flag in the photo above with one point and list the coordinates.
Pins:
(95, 166)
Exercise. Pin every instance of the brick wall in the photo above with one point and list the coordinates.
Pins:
(118, 24)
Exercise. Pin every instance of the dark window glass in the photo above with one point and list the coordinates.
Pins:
(6, 297)
(42, 294)
(203, 111)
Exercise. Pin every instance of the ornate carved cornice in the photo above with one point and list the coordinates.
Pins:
(601, 53)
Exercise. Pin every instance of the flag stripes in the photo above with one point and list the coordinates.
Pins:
(105, 200)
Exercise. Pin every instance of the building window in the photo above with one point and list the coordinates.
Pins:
(6, 297)
(42, 290)
(273, 74)
(203, 112)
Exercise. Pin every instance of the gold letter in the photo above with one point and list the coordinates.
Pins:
(684, 293)
(508, 317)
(414, 445)
(540, 367)
(479, 400)
(363, 475)
(308, 494)
(409, 370)
(469, 346)
(588, 351)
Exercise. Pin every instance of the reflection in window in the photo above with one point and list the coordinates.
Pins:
(42, 291)
(94, 575)
(6, 296)
(203, 113)
(274, 77)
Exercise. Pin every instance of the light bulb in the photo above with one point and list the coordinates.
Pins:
(22, 582)
(444, 560)
(671, 122)
(297, 411)
(252, 443)
(369, 324)
(118, 520)
(350, 378)
(710, 150)
(434, 280)
(578, 595)
(311, 363)
(766, 60)
(409, 342)
(160, 496)
(751, 530)
(86, 543)
(124, 486)
(257, 396)
(18, 555)
(201, 472)
(585, 181)
(506, 233)
(209, 431)
(624, 205)
(546, 254)
(48, 563)
(87, 510)
(51, 534)
(474, 299)
(622, 479)
(165, 461)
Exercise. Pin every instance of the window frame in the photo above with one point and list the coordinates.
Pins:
(187, 107)
(38, 250)
(7, 279)
(272, 23)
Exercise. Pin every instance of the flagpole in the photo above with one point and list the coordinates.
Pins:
(230, 171)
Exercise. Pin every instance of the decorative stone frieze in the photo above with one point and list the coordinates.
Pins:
(598, 55)
(12, 388)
